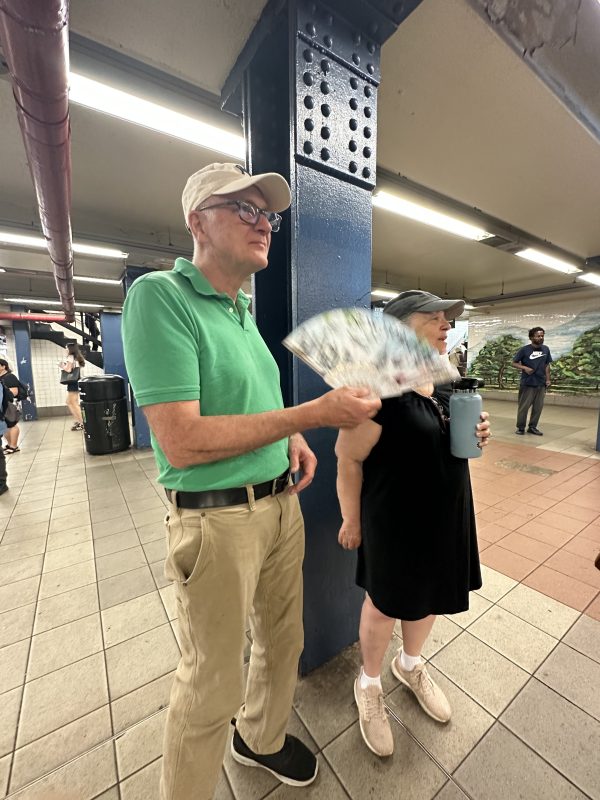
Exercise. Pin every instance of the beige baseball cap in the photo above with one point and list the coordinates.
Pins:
(218, 179)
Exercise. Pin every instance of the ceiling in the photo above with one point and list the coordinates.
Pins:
(460, 112)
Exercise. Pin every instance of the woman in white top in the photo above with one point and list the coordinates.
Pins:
(72, 364)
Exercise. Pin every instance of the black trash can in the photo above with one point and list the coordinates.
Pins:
(104, 411)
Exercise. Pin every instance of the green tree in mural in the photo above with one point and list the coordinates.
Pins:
(582, 364)
(495, 358)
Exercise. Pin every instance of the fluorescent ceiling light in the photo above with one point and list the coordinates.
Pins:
(386, 294)
(547, 261)
(590, 277)
(96, 280)
(406, 208)
(38, 302)
(100, 97)
(2, 269)
(40, 243)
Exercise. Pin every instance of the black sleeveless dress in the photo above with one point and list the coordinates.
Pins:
(419, 551)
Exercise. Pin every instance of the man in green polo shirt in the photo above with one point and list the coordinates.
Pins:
(225, 446)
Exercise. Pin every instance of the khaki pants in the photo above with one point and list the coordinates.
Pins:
(230, 565)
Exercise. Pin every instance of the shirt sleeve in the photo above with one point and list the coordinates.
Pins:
(519, 355)
(160, 342)
(549, 358)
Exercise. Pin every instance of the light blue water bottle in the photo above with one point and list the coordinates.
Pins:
(465, 413)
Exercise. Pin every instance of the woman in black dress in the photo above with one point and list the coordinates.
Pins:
(407, 506)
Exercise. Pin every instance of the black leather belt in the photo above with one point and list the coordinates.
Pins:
(217, 498)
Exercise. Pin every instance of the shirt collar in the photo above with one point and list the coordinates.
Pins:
(201, 283)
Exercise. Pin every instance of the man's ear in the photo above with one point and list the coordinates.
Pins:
(197, 226)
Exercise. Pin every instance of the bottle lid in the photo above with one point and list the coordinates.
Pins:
(467, 384)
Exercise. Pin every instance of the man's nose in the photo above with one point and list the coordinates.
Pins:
(263, 224)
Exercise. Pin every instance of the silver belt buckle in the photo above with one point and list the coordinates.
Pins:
(273, 487)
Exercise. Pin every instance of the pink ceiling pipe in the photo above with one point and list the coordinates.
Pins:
(32, 317)
(34, 37)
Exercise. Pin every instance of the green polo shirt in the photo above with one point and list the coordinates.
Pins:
(185, 341)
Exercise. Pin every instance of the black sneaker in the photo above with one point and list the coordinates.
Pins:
(3, 489)
(535, 431)
(294, 764)
(520, 431)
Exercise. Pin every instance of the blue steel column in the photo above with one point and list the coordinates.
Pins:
(139, 423)
(23, 366)
(310, 112)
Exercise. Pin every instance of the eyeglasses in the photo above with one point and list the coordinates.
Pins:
(249, 213)
(444, 420)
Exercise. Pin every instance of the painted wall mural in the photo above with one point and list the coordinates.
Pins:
(572, 326)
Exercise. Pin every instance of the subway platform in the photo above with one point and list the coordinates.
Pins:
(88, 637)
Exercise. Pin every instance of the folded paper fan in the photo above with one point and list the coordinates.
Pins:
(357, 347)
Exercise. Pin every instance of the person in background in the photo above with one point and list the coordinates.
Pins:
(3, 407)
(407, 506)
(71, 367)
(14, 388)
(225, 447)
(534, 362)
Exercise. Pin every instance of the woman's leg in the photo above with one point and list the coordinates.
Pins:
(375, 633)
(12, 436)
(408, 667)
(73, 405)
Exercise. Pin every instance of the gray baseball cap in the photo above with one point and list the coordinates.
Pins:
(406, 303)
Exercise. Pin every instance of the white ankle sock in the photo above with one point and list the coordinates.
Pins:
(408, 663)
(366, 680)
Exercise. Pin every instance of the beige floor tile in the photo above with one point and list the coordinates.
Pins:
(125, 586)
(13, 660)
(21, 569)
(66, 607)
(61, 697)
(117, 563)
(169, 599)
(63, 645)
(409, 772)
(108, 511)
(135, 616)
(477, 606)
(108, 528)
(142, 702)
(26, 507)
(151, 532)
(495, 585)
(82, 779)
(539, 610)
(584, 636)
(115, 543)
(111, 794)
(141, 744)
(148, 501)
(514, 638)
(76, 510)
(25, 549)
(68, 498)
(33, 518)
(158, 572)
(68, 523)
(486, 676)
(141, 518)
(25, 534)
(448, 743)
(573, 676)
(156, 550)
(142, 659)
(4, 773)
(69, 538)
(501, 767)
(144, 784)
(16, 624)
(60, 746)
(451, 791)
(11, 705)
(67, 578)
(69, 556)
(559, 732)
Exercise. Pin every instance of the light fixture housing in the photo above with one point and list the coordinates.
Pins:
(590, 277)
(546, 260)
(384, 294)
(38, 242)
(105, 281)
(419, 213)
(36, 301)
(108, 100)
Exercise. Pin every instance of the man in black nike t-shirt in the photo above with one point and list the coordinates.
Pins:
(534, 362)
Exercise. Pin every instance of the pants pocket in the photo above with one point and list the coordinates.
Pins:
(188, 546)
